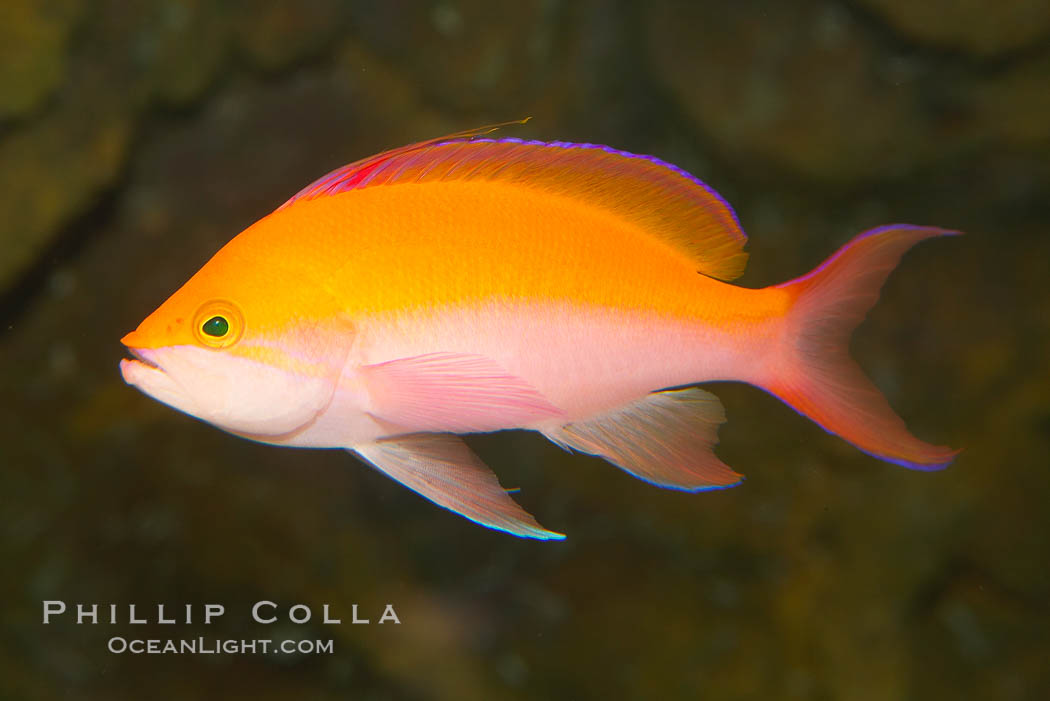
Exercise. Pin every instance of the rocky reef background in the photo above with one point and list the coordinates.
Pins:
(137, 138)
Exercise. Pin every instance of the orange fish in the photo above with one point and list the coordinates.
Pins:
(470, 284)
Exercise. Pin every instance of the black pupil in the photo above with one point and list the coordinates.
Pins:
(216, 326)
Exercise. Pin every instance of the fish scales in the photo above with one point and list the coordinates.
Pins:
(469, 284)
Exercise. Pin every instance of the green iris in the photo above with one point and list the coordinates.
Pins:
(216, 326)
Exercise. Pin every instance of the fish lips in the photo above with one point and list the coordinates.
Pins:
(144, 356)
(145, 372)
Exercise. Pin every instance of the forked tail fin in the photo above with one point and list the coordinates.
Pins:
(814, 372)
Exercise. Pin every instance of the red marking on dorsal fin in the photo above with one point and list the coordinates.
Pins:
(351, 176)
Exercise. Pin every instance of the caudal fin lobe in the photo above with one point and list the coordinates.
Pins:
(814, 372)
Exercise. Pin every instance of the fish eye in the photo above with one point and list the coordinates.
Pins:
(218, 324)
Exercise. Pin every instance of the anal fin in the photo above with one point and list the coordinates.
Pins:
(443, 469)
(665, 438)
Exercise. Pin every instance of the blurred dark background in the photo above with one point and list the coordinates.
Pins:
(137, 138)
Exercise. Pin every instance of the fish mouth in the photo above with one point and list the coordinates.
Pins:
(143, 357)
(145, 372)
(142, 369)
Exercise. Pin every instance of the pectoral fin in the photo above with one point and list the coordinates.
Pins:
(666, 438)
(453, 392)
(444, 470)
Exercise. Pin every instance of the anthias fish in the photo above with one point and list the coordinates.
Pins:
(471, 284)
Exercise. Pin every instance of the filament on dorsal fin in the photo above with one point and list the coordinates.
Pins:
(351, 175)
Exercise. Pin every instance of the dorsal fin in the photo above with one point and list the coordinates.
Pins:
(355, 175)
(662, 199)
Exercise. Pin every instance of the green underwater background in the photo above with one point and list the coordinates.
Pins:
(136, 138)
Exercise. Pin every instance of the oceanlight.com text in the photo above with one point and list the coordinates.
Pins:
(214, 646)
